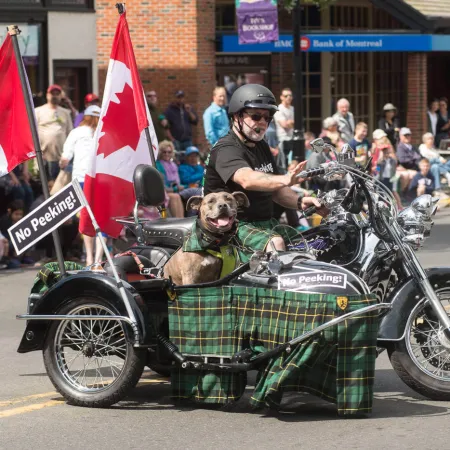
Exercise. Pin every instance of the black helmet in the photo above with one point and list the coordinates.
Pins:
(252, 96)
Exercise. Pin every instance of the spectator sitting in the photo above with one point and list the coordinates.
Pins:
(89, 100)
(360, 144)
(408, 156)
(439, 165)
(4, 250)
(17, 183)
(309, 136)
(169, 170)
(389, 123)
(330, 130)
(14, 213)
(181, 117)
(215, 118)
(191, 172)
(423, 182)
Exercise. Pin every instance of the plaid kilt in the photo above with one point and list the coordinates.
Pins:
(255, 236)
(337, 365)
(47, 276)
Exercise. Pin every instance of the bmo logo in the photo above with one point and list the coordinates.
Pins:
(305, 43)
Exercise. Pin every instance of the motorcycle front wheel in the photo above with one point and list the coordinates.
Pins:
(422, 358)
(91, 363)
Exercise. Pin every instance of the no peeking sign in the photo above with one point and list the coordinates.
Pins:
(46, 218)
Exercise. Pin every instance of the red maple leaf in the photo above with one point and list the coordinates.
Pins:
(120, 125)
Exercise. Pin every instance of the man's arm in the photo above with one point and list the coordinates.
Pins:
(253, 180)
(286, 197)
(208, 126)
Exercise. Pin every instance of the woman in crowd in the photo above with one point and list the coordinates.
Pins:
(443, 123)
(439, 165)
(80, 148)
(169, 169)
(389, 123)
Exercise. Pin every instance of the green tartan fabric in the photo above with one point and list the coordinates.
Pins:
(254, 236)
(47, 276)
(337, 365)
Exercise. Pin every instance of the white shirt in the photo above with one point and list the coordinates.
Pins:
(80, 145)
(428, 153)
(284, 113)
(433, 120)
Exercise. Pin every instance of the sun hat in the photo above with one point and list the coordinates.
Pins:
(378, 134)
(93, 110)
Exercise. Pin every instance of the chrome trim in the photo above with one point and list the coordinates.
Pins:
(125, 319)
(340, 319)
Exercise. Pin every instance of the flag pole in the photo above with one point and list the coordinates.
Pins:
(13, 31)
(121, 9)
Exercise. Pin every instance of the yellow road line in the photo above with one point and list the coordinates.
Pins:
(29, 408)
(14, 401)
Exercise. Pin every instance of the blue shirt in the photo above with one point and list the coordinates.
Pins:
(215, 122)
(190, 174)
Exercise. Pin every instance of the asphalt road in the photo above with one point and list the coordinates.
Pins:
(33, 415)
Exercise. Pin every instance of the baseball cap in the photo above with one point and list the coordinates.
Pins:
(405, 131)
(179, 93)
(378, 134)
(90, 98)
(191, 150)
(389, 107)
(54, 87)
(93, 110)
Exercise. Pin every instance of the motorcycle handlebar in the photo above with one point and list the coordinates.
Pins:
(312, 172)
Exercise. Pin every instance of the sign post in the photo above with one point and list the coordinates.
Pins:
(14, 31)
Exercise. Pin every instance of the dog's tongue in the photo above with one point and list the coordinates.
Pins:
(221, 221)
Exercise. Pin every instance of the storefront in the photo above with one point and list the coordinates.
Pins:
(58, 44)
(342, 58)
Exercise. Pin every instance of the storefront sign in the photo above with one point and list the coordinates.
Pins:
(257, 21)
(28, 38)
(345, 43)
(45, 218)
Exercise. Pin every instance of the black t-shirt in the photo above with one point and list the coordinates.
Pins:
(226, 157)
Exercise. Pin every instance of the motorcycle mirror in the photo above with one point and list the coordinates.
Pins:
(317, 145)
(425, 204)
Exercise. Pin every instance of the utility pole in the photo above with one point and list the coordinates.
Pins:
(299, 131)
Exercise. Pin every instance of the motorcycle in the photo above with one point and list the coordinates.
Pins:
(122, 318)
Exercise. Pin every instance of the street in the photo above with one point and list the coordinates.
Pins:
(33, 415)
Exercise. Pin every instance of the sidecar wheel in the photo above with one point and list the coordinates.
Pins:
(91, 363)
(422, 359)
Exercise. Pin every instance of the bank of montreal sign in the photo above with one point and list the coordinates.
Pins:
(344, 43)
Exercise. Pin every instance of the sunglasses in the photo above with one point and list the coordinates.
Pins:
(257, 117)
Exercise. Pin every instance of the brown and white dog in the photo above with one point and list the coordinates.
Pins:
(217, 215)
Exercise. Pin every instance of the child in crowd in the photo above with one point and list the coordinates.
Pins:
(387, 169)
(439, 165)
(423, 182)
(360, 144)
(15, 212)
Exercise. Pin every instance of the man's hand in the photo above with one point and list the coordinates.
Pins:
(187, 107)
(14, 180)
(312, 201)
(63, 163)
(292, 174)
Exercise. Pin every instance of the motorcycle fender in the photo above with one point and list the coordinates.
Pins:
(403, 299)
(81, 284)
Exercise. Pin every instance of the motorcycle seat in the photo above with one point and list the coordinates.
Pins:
(167, 232)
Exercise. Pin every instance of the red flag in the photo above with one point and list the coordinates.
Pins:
(16, 143)
(120, 139)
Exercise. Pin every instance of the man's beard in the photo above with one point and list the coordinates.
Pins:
(254, 134)
(55, 101)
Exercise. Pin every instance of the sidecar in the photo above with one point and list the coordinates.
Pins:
(303, 325)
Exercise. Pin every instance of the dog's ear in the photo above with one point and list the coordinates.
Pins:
(241, 199)
(194, 203)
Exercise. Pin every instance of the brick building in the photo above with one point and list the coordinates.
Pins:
(188, 44)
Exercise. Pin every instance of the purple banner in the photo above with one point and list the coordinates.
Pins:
(257, 21)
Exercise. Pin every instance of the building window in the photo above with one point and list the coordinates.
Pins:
(11, 3)
(225, 17)
(349, 17)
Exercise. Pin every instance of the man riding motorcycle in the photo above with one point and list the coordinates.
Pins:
(242, 161)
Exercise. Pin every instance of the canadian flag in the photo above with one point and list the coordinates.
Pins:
(120, 141)
(16, 143)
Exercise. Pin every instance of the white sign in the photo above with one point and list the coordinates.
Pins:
(28, 38)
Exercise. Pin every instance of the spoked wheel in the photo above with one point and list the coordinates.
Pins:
(422, 359)
(91, 362)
